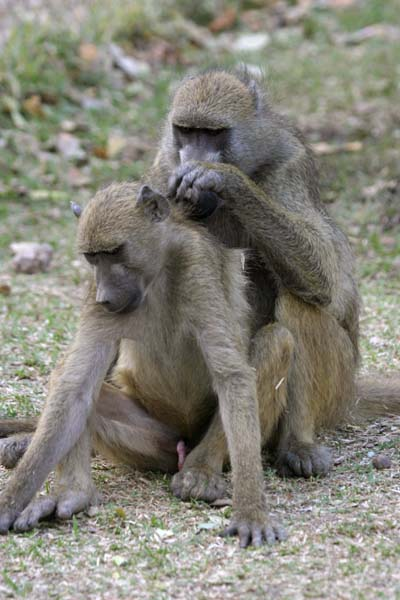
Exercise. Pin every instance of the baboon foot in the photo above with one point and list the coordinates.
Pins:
(254, 531)
(62, 507)
(199, 484)
(12, 449)
(303, 460)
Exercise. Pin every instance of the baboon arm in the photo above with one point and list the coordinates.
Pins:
(292, 238)
(64, 417)
(235, 384)
(296, 243)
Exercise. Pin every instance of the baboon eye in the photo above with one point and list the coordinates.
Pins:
(114, 251)
(183, 130)
(215, 132)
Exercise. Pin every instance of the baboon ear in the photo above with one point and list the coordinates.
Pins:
(155, 205)
(76, 209)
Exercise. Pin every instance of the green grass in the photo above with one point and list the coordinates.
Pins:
(343, 531)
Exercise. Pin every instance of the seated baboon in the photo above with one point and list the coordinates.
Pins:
(172, 300)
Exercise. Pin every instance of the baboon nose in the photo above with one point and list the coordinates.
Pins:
(105, 304)
(103, 300)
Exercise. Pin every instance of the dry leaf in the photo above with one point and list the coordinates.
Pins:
(5, 289)
(115, 144)
(100, 152)
(224, 21)
(88, 52)
(322, 148)
(33, 106)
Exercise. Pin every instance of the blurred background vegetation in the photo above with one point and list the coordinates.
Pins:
(84, 87)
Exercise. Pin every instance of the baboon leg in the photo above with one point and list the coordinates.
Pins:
(272, 352)
(201, 476)
(13, 448)
(271, 355)
(121, 429)
(118, 428)
(320, 386)
(124, 432)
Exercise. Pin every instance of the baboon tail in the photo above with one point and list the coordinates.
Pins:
(377, 396)
(12, 426)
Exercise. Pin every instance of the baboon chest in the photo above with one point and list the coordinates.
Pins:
(171, 375)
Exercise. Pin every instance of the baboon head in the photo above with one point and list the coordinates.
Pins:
(220, 117)
(121, 235)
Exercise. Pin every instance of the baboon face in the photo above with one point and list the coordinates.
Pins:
(119, 288)
(215, 118)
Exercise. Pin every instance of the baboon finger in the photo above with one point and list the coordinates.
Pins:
(176, 178)
(38, 509)
(186, 184)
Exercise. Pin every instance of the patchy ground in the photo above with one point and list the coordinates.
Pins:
(72, 120)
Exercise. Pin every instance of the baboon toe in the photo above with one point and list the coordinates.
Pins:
(198, 484)
(304, 460)
(72, 502)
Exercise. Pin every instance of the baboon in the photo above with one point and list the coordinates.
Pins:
(174, 300)
(222, 135)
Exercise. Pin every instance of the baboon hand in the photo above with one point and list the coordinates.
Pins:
(62, 506)
(254, 530)
(199, 484)
(192, 178)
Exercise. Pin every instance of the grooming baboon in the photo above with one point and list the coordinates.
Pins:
(177, 298)
(222, 135)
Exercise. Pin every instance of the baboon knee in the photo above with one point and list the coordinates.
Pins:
(273, 343)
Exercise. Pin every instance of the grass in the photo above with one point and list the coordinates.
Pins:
(343, 531)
